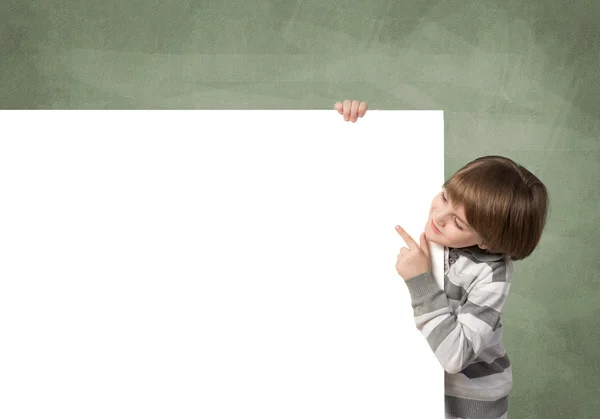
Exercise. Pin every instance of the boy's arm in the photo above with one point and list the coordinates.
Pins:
(457, 340)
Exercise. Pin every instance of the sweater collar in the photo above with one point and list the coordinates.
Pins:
(482, 255)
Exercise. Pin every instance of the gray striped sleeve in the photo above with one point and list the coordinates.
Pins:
(457, 339)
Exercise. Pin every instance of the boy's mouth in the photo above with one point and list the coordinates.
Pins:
(435, 228)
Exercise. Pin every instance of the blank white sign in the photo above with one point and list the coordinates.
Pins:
(214, 264)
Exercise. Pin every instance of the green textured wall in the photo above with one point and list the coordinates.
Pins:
(517, 78)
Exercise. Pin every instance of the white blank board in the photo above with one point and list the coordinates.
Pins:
(214, 264)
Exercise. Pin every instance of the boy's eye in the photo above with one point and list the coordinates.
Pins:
(455, 222)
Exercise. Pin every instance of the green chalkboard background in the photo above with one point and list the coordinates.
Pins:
(516, 78)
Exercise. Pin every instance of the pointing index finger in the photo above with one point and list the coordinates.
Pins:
(406, 237)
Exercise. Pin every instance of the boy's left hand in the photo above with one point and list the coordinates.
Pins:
(412, 260)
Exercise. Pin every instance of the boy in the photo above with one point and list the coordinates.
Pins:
(488, 214)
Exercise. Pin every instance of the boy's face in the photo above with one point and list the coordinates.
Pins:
(447, 225)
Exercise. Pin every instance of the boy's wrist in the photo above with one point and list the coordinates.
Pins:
(421, 285)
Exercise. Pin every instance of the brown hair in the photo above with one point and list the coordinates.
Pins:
(503, 202)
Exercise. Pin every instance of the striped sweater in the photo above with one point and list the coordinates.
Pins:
(462, 324)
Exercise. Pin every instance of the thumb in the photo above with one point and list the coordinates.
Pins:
(424, 245)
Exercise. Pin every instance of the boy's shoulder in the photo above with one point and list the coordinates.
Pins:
(478, 264)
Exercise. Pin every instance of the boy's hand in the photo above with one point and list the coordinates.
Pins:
(352, 110)
(412, 260)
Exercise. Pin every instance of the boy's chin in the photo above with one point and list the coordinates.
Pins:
(433, 240)
(432, 237)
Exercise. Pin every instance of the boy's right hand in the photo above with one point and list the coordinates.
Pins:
(352, 110)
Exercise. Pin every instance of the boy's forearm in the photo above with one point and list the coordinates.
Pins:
(434, 318)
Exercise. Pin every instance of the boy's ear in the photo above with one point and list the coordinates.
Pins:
(482, 246)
